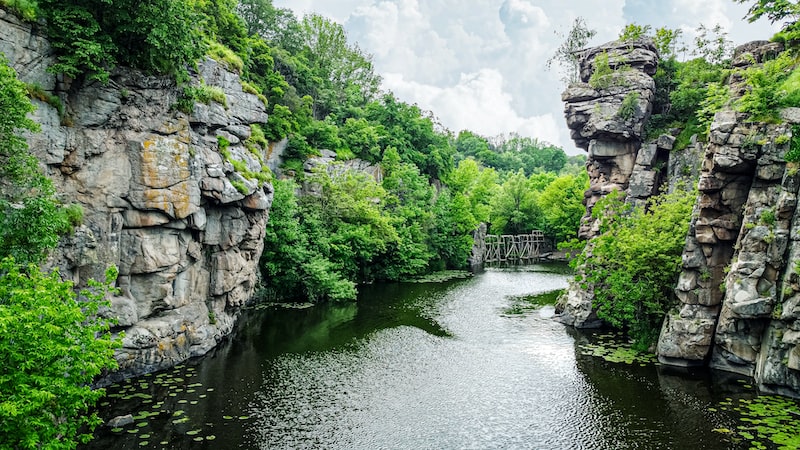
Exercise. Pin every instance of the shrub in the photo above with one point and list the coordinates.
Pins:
(54, 346)
(25, 9)
(602, 75)
(635, 262)
(630, 104)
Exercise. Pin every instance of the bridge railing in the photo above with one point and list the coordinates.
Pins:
(520, 247)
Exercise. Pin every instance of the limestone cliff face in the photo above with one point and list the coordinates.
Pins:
(158, 197)
(739, 289)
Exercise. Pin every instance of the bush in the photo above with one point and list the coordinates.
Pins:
(54, 346)
(629, 106)
(602, 75)
(24, 9)
(634, 264)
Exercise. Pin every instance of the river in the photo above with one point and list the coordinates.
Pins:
(448, 365)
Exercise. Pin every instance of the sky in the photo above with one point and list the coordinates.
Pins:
(480, 65)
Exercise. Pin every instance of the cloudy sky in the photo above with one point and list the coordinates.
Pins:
(480, 64)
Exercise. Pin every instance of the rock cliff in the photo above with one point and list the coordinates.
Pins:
(738, 295)
(162, 198)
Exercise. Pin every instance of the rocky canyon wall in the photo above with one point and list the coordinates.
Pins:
(738, 295)
(161, 197)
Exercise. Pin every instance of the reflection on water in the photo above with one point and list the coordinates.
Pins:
(418, 366)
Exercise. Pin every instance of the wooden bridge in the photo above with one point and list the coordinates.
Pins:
(512, 248)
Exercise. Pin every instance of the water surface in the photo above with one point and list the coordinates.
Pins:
(419, 366)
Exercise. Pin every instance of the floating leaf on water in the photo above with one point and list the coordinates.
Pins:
(179, 412)
(190, 391)
(141, 424)
(244, 417)
(210, 437)
(193, 402)
(202, 396)
(198, 438)
(713, 410)
(227, 417)
(143, 443)
(144, 436)
(192, 432)
(210, 390)
(183, 400)
(180, 421)
(722, 430)
(116, 430)
(134, 431)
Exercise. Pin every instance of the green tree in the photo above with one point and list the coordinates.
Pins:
(635, 262)
(633, 32)
(31, 220)
(568, 53)
(53, 346)
(561, 206)
(291, 266)
(774, 10)
(514, 209)
(91, 36)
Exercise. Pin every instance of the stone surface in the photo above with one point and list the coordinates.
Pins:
(157, 198)
(738, 292)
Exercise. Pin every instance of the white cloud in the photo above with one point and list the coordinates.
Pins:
(481, 64)
(478, 103)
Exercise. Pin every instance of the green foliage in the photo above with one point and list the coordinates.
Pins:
(514, 208)
(635, 262)
(25, 9)
(688, 94)
(567, 55)
(561, 205)
(240, 186)
(257, 142)
(202, 93)
(793, 155)
(91, 36)
(634, 32)
(774, 10)
(768, 217)
(54, 346)
(766, 93)
(291, 265)
(602, 75)
(668, 42)
(31, 218)
(713, 44)
(717, 97)
(629, 106)
(510, 153)
(226, 56)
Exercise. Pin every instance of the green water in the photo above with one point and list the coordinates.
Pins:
(450, 365)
